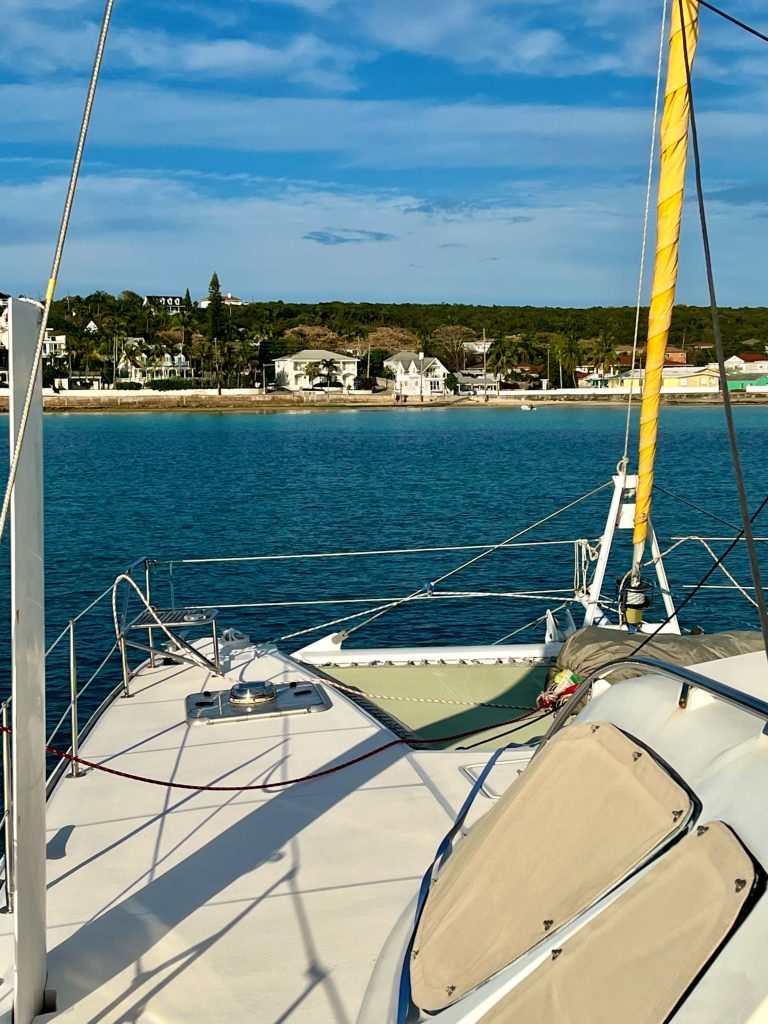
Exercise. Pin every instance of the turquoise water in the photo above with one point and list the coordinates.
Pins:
(119, 487)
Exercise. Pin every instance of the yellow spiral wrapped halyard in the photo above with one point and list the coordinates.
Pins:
(674, 152)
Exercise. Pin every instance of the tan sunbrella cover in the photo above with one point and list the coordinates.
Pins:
(634, 962)
(588, 810)
(592, 647)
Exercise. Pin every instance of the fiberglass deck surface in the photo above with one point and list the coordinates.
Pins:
(251, 908)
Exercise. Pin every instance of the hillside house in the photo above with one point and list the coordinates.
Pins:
(54, 345)
(227, 299)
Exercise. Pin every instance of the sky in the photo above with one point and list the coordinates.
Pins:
(486, 151)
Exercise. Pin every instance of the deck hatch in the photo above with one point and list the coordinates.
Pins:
(249, 700)
(637, 960)
(589, 811)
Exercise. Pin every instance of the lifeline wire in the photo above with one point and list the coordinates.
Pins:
(733, 440)
(715, 565)
(488, 551)
(64, 226)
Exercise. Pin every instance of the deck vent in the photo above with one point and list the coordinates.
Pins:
(258, 698)
(248, 694)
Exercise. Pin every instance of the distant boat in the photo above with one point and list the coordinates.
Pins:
(526, 407)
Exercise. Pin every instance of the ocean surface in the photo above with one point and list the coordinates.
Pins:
(122, 487)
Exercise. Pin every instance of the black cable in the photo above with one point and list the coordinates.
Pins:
(696, 508)
(716, 564)
(508, 732)
(734, 21)
(735, 456)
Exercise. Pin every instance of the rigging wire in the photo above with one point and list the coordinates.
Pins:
(697, 587)
(490, 550)
(641, 280)
(735, 21)
(50, 290)
(732, 438)
(696, 508)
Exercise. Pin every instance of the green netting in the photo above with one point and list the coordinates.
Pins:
(410, 694)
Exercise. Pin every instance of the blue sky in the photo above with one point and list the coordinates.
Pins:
(487, 151)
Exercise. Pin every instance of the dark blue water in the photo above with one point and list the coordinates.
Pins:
(121, 487)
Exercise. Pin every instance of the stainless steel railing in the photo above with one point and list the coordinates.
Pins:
(147, 569)
(68, 641)
(70, 715)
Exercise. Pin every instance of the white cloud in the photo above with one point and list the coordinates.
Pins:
(375, 134)
(150, 233)
(559, 225)
(472, 32)
(303, 58)
(366, 133)
(36, 48)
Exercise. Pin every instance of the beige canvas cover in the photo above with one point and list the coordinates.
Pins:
(590, 648)
(587, 811)
(634, 962)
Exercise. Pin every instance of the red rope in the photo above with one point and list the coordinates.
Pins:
(65, 756)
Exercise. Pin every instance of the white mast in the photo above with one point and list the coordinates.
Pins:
(28, 671)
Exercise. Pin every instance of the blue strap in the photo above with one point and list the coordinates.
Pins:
(404, 999)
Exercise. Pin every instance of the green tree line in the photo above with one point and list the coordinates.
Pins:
(238, 344)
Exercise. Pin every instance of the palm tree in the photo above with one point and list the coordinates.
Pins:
(330, 369)
(506, 354)
(313, 371)
(134, 355)
(569, 352)
(501, 356)
(184, 322)
(199, 352)
(115, 327)
(82, 348)
(603, 352)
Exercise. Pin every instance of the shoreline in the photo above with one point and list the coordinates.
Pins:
(186, 401)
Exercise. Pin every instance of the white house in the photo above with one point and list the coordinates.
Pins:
(54, 345)
(228, 300)
(291, 371)
(417, 375)
(747, 362)
(172, 304)
(476, 381)
(136, 367)
(479, 347)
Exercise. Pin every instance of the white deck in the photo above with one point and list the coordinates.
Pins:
(169, 906)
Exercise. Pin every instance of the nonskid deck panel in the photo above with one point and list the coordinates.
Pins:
(252, 907)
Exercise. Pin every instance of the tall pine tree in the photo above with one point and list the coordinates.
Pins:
(215, 309)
